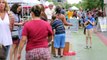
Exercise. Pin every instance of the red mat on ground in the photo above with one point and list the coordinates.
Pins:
(102, 37)
(70, 53)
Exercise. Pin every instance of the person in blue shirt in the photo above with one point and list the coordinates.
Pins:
(59, 35)
(89, 24)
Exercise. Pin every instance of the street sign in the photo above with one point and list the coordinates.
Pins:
(105, 1)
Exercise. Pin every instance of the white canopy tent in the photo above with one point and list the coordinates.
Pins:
(14, 1)
(11, 2)
(33, 2)
(24, 3)
(28, 3)
(74, 8)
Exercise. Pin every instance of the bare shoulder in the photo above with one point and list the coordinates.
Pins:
(62, 16)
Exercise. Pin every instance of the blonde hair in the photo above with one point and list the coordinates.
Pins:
(6, 6)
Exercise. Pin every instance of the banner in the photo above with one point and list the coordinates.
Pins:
(103, 23)
(74, 22)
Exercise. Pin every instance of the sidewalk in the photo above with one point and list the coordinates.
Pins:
(104, 33)
(77, 44)
(97, 52)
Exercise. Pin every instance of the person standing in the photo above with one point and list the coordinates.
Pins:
(89, 23)
(70, 14)
(59, 35)
(6, 26)
(16, 33)
(36, 33)
(62, 22)
(49, 12)
(80, 14)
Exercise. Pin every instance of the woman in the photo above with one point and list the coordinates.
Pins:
(89, 25)
(6, 25)
(16, 33)
(37, 33)
(43, 15)
(61, 16)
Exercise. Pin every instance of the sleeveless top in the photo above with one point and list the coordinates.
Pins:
(5, 33)
(58, 26)
(17, 29)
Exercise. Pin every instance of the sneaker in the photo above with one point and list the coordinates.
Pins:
(56, 56)
(86, 47)
(90, 47)
(61, 56)
(68, 27)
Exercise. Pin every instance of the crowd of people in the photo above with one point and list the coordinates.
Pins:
(45, 25)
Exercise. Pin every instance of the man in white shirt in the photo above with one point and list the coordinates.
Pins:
(49, 12)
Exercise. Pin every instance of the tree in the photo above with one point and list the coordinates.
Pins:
(90, 4)
(67, 6)
(77, 5)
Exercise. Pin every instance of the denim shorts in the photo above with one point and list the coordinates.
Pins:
(59, 41)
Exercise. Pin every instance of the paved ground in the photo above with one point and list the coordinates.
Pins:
(98, 51)
(77, 44)
(104, 33)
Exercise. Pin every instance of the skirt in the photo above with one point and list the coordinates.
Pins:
(38, 54)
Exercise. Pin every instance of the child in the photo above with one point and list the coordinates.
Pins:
(89, 23)
(59, 35)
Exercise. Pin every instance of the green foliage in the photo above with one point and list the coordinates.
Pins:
(67, 5)
(77, 5)
(90, 4)
(63, 4)
(49, 0)
(85, 4)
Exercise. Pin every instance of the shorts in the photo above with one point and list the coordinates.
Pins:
(38, 54)
(89, 32)
(59, 41)
(16, 41)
